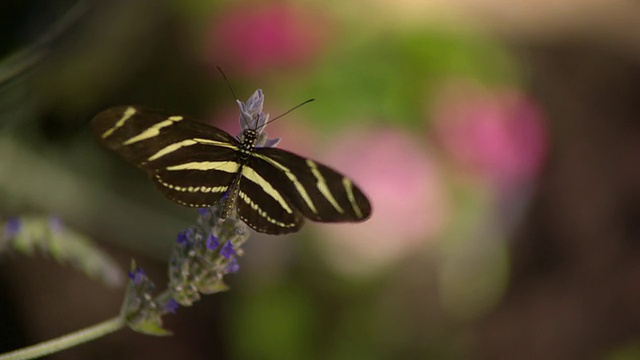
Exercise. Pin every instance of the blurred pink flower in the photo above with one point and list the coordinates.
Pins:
(253, 38)
(409, 203)
(498, 135)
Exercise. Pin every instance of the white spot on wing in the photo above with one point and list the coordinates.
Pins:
(263, 213)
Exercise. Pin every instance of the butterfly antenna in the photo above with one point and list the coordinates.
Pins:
(285, 113)
(228, 83)
(230, 87)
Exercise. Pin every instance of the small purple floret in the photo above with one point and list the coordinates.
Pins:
(233, 266)
(212, 242)
(183, 239)
(137, 276)
(203, 211)
(227, 250)
(12, 227)
(171, 306)
(271, 142)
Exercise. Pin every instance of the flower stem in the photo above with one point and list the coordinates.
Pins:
(67, 341)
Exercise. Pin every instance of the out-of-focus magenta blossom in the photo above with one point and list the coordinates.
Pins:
(255, 38)
(498, 135)
(409, 202)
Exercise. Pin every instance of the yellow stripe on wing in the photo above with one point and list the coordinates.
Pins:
(292, 177)
(128, 113)
(348, 186)
(323, 187)
(154, 130)
(188, 142)
(226, 166)
(266, 186)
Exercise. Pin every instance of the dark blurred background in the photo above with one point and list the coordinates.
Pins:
(499, 143)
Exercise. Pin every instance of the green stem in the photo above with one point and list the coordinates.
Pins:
(66, 341)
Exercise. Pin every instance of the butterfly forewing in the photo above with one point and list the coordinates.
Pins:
(319, 192)
(190, 162)
(154, 139)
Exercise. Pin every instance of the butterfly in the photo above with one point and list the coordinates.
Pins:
(194, 164)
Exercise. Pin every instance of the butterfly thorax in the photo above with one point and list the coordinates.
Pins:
(249, 137)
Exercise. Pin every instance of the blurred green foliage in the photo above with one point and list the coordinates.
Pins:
(391, 78)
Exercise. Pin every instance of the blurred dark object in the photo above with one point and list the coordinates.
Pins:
(12, 333)
(29, 28)
(575, 284)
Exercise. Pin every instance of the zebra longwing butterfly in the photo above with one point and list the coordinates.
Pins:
(197, 165)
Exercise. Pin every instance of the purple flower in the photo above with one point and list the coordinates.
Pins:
(137, 276)
(183, 239)
(227, 250)
(233, 266)
(212, 242)
(254, 104)
(203, 211)
(11, 227)
(270, 142)
(171, 306)
(253, 110)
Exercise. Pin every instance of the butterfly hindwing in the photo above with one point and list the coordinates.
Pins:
(264, 206)
(319, 192)
(191, 187)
